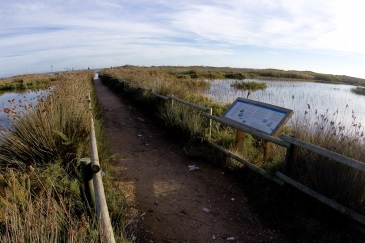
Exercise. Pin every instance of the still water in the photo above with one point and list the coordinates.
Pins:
(308, 100)
(15, 104)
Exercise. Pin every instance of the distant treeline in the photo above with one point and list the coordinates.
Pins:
(246, 73)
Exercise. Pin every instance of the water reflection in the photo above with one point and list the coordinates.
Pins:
(14, 104)
(308, 100)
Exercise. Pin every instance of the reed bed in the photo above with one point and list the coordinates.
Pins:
(339, 182)
(55, 128)
(252, 86)
(359, 90)
(40, 197)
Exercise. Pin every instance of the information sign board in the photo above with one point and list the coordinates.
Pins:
(256, 115)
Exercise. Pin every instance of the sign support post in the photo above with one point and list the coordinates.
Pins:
(240, 141)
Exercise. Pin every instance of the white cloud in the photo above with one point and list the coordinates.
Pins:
(36, 32)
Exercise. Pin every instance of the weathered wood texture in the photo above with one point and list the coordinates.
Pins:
(105, 226)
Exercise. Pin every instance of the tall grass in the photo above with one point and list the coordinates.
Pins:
(249, 85)
(339, 182)
(40, 199)
(183, 119)
(39, 208)
(56, 128)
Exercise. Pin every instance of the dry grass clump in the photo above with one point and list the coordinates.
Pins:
(337, 181)
(57, 127)
(249, 85)
(182, 118)
(38, 208)
(358, 90)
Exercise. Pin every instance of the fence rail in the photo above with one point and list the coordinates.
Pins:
(287, 142)
(105, 226)
(324, 152)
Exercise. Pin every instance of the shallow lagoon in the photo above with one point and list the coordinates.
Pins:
(14, 104)
(308, 100)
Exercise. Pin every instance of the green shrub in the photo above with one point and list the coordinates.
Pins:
(358, 90)
(249, 85)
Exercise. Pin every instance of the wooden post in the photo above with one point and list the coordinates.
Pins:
(240, 141)
(87, 179)
(289, 157)
(172, 101)
(210, 124)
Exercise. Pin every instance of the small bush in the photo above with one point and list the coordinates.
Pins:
(249, 85)
(358, 90)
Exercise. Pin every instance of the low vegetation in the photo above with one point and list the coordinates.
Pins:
(249, 85)
(324, 175)
(358, 90)
(206, 72)
(23, 82)
(312, 170)
(40, 197)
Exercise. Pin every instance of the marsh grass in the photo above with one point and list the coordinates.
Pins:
(40, 199)
(253, 86)
(337, 181)
(56, 128)
(23, 82)
(358, 90)
(183, 120)
(38, 208)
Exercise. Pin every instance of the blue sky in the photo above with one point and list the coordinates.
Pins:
(319, 35)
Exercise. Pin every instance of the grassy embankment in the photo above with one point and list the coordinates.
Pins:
(320, 174)
(24, 82)
(40, 199)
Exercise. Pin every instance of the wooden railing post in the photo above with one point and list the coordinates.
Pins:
(172, 101)
(289, 157)
(240, 141)
(210, 124)
(87, 179)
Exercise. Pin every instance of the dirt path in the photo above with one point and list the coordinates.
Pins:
(178, 205)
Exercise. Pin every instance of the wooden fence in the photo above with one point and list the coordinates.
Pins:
(285, 141)
(95, 191)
